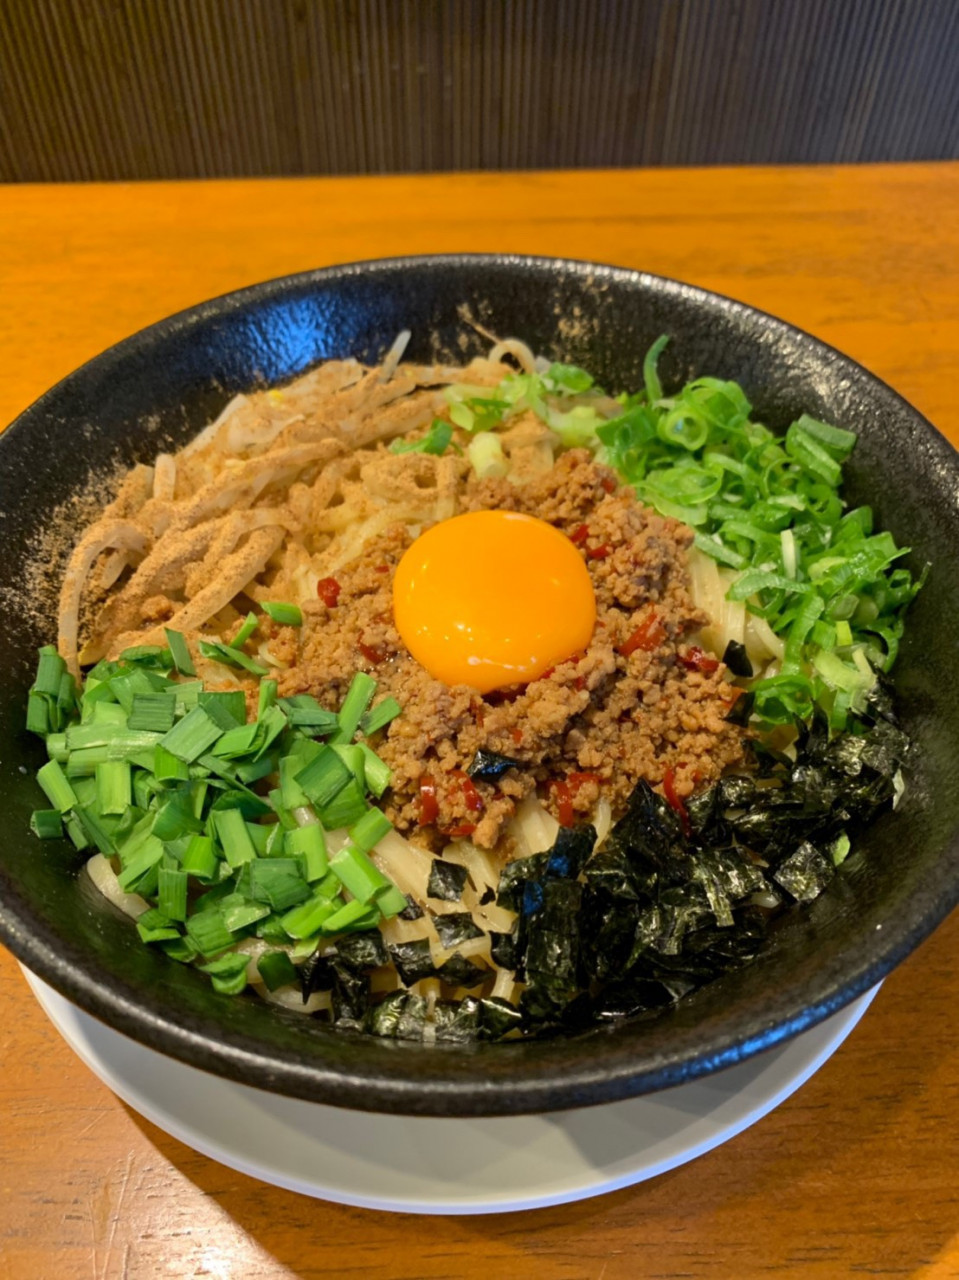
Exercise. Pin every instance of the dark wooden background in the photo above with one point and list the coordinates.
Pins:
(119, 89)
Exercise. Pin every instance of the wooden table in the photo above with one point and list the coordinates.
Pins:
(858, 1172)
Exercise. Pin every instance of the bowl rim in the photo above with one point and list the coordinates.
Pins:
(614, 1074)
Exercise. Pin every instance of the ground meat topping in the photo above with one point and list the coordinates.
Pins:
(626, 709)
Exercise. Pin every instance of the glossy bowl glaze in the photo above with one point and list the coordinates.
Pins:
(156, 389)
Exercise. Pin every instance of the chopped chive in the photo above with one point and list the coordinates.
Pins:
(391, 901)
(227, 974)
(143, 861)
(208, 932)
(351, 917)
(200, 859)
(114, 786)
(276, 970)
(153, 711)
(253, 770)
(56, 787)
(323, 778)
(377, 771)
(155, 926)
(150, 655)
(172, 893)
(167, 768)
(108, 713)
(278, 881)
(287, 615)
(370, 830)
(380, 716)
(180, 652)
(57, 747)
(244, 633)
(38, 713)
(303, 710)
(267, 699)
(346, 807)
(303, 921)
(192, 736)
(358, 874)
(308, 843)
(231, 657)
(234, 837)
(239, 912)
(259, 834)
(49, 670)
(270, 724)
(47, 824)
(179, 948)
(357, 700)
(237, 742)
(93, 824)
(77, 832)
(227, 708)
(176, 816)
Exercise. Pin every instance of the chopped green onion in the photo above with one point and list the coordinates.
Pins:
(357, 874)
(245, 631)
(355, 704)
(286, 615)
(47, 824)
(309, 844)
(208, 932)
(375, 770)
(304, 920)
(231, 657)
(370, 830)
(346, 807)
(180, 652)
(354, 915)
(114, 786)
(323, 778)
(234, 837)
(200, 859)
(56, 786)
(192, 736)
(172, 887)
(155, 926)
(227, 709)
(227, 974)
(436, 441)
(278, 881)
(276, 970)
(154, 712)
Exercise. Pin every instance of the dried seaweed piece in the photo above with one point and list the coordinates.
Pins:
(490, 766)
(805, 873)
(460, 972)
(455, 928)
(363, 951)
(447, 881)
(413, 960)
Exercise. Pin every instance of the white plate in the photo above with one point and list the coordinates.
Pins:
(426, 1165)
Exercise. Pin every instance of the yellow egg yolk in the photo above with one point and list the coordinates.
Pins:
(493, 598)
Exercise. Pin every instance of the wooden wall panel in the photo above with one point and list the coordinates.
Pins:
(113, 89)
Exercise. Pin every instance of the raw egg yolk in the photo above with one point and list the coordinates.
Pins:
(493, 598)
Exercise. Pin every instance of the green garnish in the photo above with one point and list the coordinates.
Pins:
(436, 441)
(180, 652)
(287, 615)
(158, 773)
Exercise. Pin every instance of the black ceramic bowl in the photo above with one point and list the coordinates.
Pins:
(159, 387)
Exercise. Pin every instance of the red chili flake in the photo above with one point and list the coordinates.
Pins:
(516, 735)
(564, 803)
(474, 801)
(429, 806)
(598, 553)
(479, 715)
(648, 635)
(609, 484)
(577, 780)
(579, 535)
(464, 829)
(674, 800)
(547, 673)
(579, 683)
(373, 653)
(696, 660)
(328, 589)
(382, 568)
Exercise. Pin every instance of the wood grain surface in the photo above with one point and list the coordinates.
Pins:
(858, 1173)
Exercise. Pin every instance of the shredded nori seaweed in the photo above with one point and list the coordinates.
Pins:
(447, 881)
(657, 911)
(490, 765)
